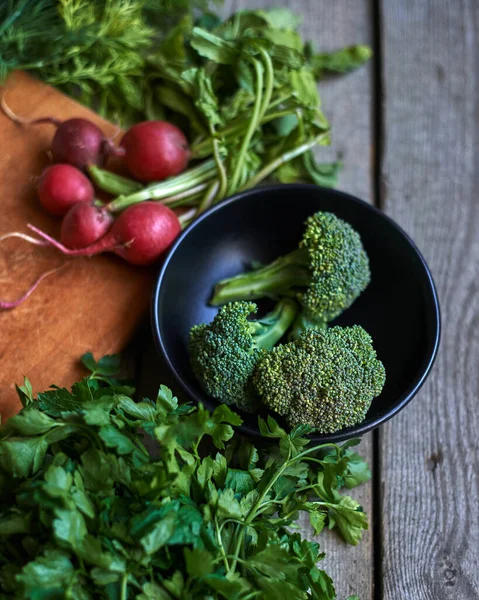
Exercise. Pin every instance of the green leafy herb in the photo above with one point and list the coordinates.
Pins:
(86, 512)
(244, 90)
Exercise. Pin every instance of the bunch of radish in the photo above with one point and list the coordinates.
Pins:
(140, 234)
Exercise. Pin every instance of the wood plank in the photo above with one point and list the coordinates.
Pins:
(429, 453)
(347, 102)
(91, 304)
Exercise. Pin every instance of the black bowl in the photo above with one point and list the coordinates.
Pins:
(399, 308)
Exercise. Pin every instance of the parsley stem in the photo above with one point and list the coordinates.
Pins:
(316, 460)
(253, 511)
(220, 544)
(229, 521)
(251, 127)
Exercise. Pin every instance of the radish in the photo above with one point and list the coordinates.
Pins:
(77, 141)
(155, 150)
(84, 224)
(61, 186)
(140, 234)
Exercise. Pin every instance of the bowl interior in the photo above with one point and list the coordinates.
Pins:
(399, 308)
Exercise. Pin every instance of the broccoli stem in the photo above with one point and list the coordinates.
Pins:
(303, 322)
(268, 330)
(283, 275)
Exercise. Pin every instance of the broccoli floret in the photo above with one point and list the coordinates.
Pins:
(224, 352)
(325, 378)
(326, 273)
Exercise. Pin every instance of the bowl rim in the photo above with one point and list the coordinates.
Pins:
(432, 342)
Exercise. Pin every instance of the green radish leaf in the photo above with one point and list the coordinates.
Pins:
(213, 47)
(340, 61)
(282, 18)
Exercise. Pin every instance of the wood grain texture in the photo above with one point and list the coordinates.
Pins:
(347, 101)
(429, 453)
(91, 304)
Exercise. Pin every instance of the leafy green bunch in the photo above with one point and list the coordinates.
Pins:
(95, 51)
(88, 511)
(245, 92)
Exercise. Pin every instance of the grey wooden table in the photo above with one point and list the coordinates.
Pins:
(407, 127)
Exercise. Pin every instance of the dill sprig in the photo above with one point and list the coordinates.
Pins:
(94, 51)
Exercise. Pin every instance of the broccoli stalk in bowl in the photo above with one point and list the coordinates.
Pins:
(325, 378)
(225, 352)
(326, 273)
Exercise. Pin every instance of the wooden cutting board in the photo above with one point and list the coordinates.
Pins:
(92, 304)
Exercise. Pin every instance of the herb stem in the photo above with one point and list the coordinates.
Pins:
(252, 513)
(113, 183)
(204, 147)
(223, 182)
(175, 185)
(230, 521)
(124, 590)
(188, 200)
(269, 83)
(209, 197)
(220, 544)
(186, 194)
(251, 127)
(281, 160)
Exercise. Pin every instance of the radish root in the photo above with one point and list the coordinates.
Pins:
(112, 149)
(47, 240)
(23, 236)
(8, 305)
(22, 120)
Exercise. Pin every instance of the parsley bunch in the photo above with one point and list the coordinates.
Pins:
(88, 511)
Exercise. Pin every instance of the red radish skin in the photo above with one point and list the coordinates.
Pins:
(155, 150)
(81, 143)
(77, 141)
(83, 225)
(62, 186)
(140, 234)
